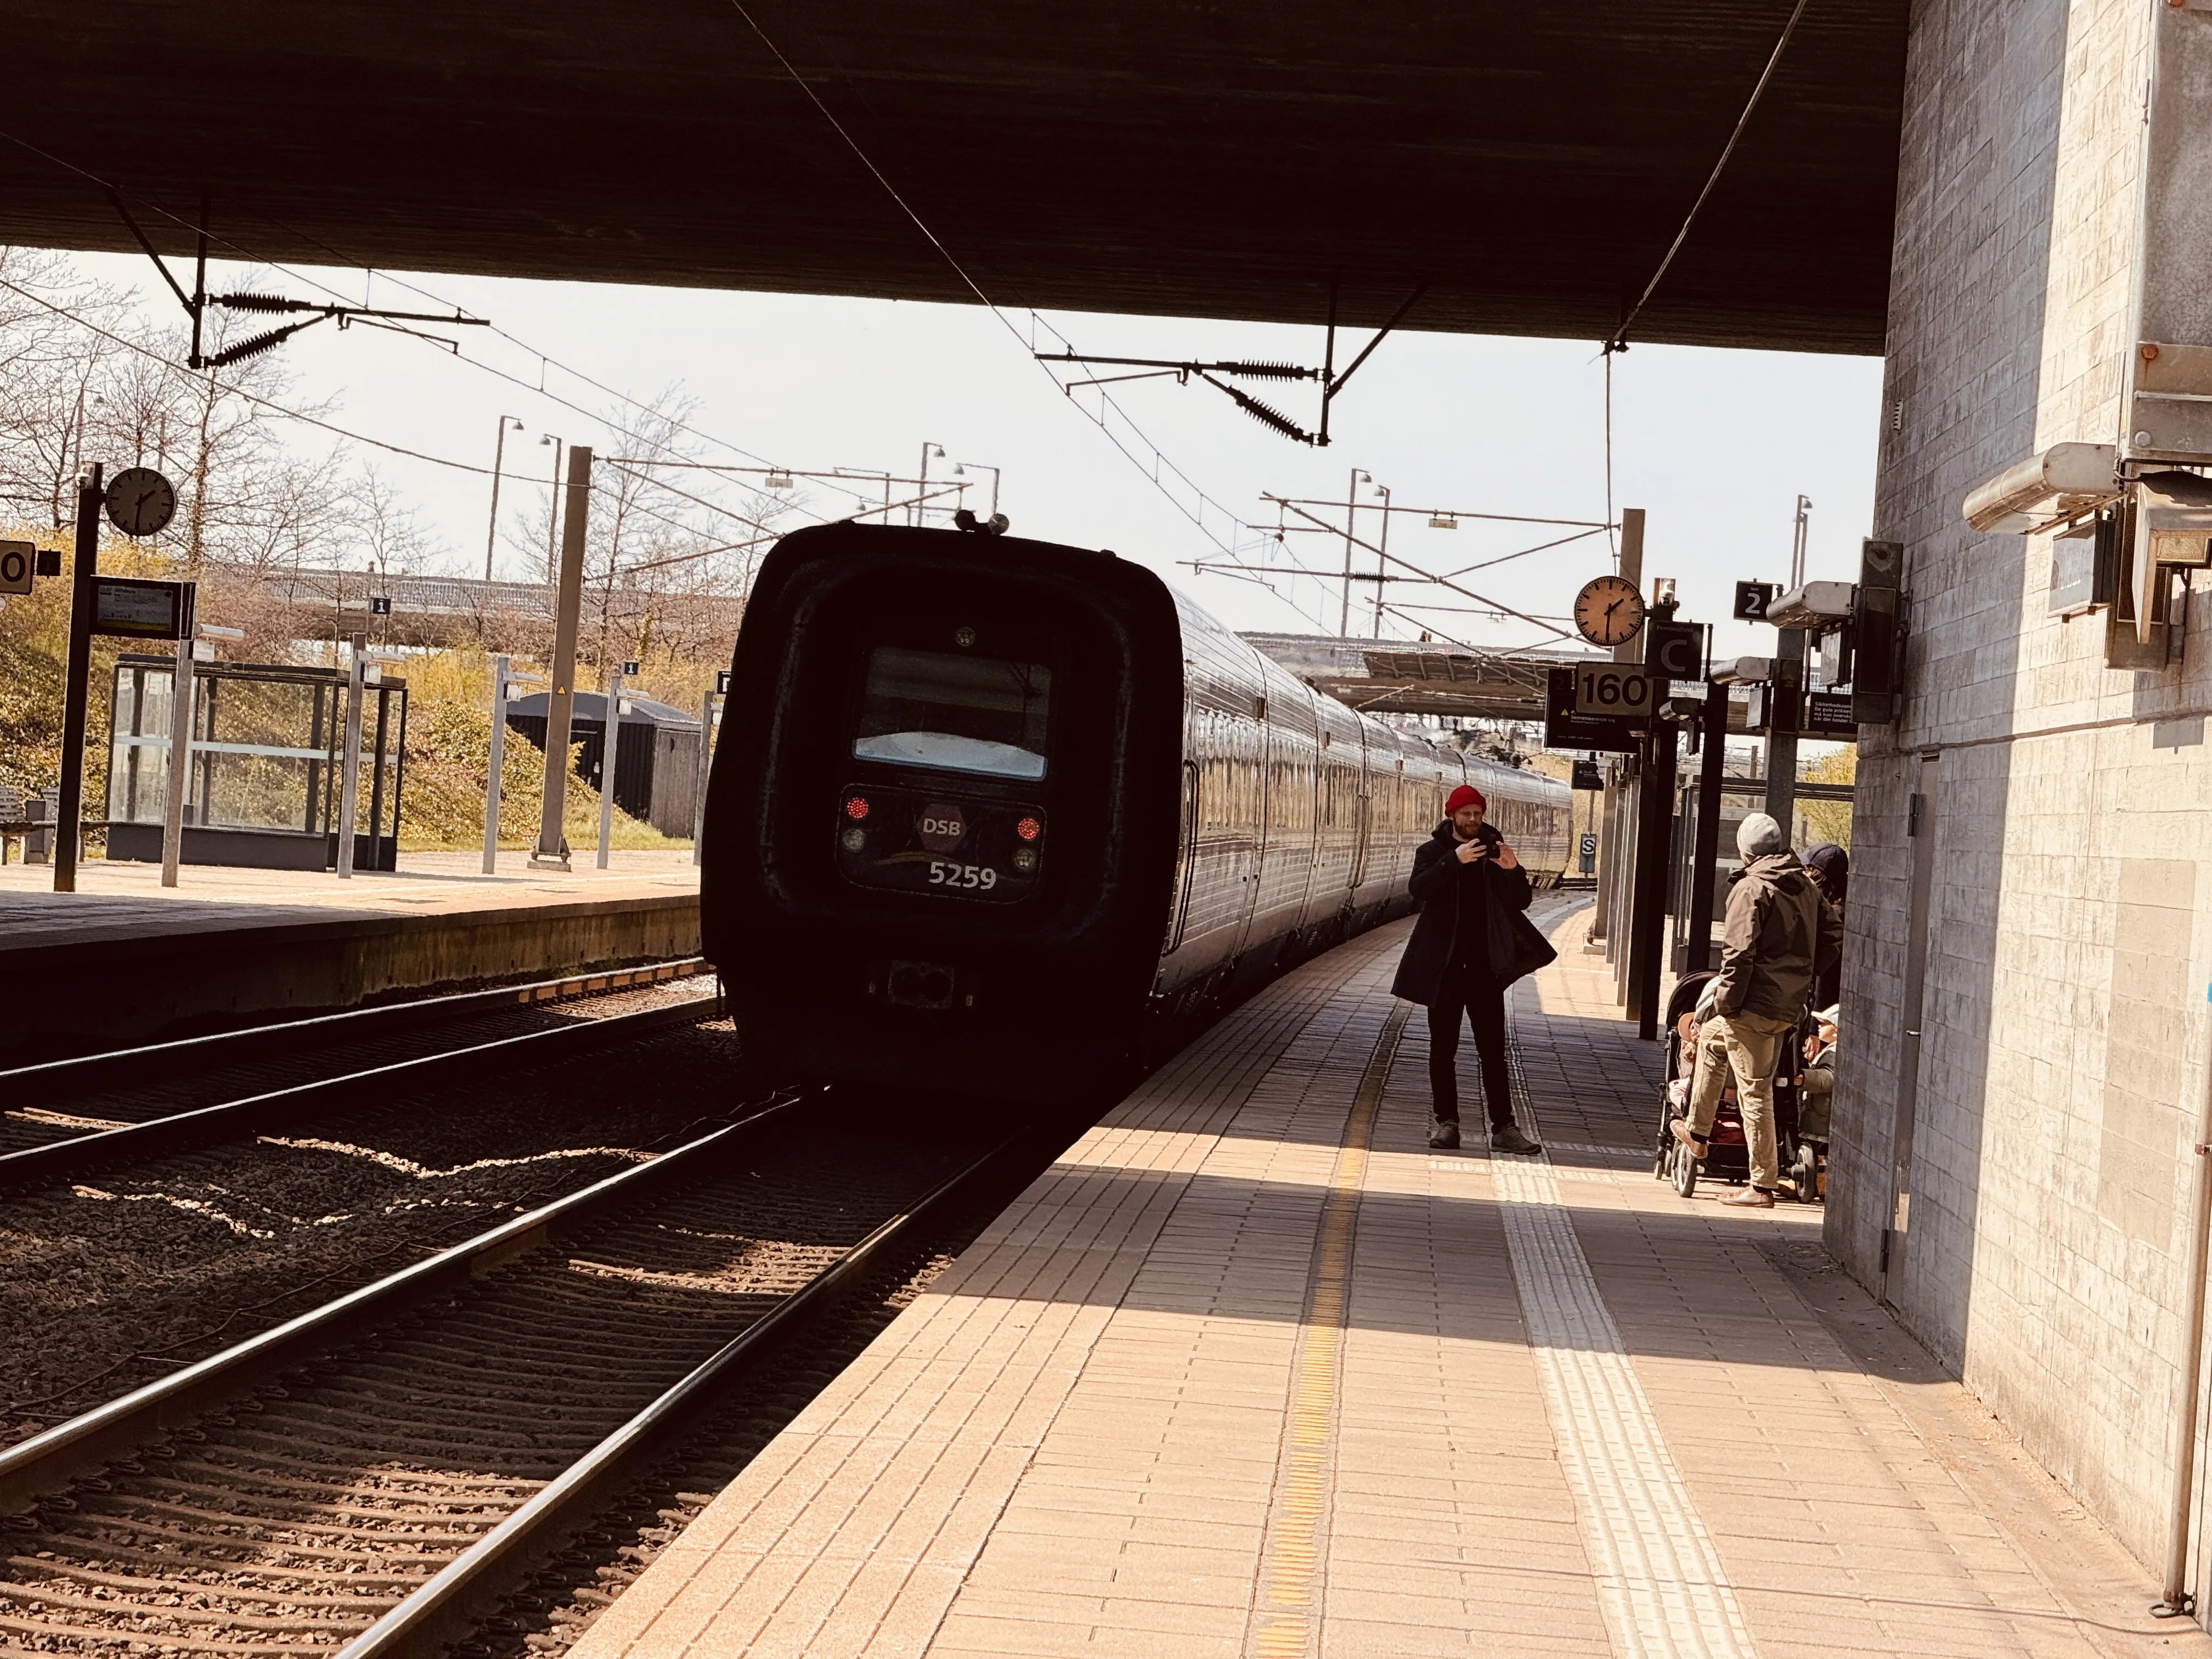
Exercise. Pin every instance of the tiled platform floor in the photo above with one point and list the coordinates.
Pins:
(1234, 1378)
(124, 901)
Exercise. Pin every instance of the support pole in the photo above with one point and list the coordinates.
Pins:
(180, 761)
(1632, 570)
(350, 778)
(77, 689)
(610, 749)
(1788, 702)
(1705, 850)
(2178, 1600)
(499, 667)
(706, 773)
(1648, 917)
(552, 852)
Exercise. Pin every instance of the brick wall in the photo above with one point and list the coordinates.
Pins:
(2062, 1052)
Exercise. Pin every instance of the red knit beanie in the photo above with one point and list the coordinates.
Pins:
(1466, 795)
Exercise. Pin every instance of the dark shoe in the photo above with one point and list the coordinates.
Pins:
(1507, 1138)
(1750, 1197)
(1444, 1134)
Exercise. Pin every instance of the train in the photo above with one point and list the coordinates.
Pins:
(988, 814)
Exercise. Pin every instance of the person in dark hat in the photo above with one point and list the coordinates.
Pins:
(1830, 868)
(1472, 941)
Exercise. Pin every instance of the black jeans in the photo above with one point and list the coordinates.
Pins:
(1483, 1002)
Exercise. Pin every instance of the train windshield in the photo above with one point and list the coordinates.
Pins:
(959, 713)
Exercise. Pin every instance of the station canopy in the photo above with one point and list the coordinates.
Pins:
(1526, 164)
(1394, 677)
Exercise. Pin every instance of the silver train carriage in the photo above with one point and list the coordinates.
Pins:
(982, 806)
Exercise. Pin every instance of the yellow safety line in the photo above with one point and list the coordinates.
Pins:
(1283, 1624)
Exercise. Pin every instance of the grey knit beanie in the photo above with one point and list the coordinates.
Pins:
(1758, 835)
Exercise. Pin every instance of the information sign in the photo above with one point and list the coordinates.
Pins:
(1587, 776)
(1828, 714)
(1565, 729)
(15, 566)
(1621, 689)
(1751, 599)
(136, 610)
(1675, 651)
(722, 681)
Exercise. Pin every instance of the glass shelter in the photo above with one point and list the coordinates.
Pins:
(266, 754)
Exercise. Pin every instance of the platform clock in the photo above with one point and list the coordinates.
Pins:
(1609, 611)
(140, 501)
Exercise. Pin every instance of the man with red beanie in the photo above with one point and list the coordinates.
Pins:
(1471, 942)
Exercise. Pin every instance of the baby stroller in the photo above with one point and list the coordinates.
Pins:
(1728, 1154)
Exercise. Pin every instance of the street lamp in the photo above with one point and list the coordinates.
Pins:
(553, 513)
(1350, 502)
(960, 470)
(498, 455)
(921, 489)
(1381, 557)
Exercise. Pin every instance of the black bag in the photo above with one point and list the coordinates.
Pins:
(1516, 949)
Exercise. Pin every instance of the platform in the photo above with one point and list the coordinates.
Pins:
(1251, 1371)
(124, 959)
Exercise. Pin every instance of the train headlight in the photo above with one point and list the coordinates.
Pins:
(1024, 860)
(854, 839)
(856, 807)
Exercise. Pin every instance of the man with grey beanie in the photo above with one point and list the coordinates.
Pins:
(1780, 935)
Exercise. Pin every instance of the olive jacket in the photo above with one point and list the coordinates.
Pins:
(1780, 935)
(1513, 946)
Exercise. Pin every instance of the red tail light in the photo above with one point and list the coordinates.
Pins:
(856, 806)
(1029, 828)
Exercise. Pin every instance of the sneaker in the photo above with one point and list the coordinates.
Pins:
(1750, 1197)
(1444, 1134)
(1507, 1138)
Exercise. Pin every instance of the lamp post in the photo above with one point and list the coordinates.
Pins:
(498, 455)
(553, 513)
(1350, 502)
(1381, 556)
(921, 492)
(960, 470)
(1798, 530)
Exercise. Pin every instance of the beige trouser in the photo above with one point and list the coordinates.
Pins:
(1745, 1043)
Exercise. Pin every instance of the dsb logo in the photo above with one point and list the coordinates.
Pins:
(941, 827)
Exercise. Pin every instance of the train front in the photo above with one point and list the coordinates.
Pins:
(941, 827)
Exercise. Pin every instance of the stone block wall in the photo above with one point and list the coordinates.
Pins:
(2070, 805)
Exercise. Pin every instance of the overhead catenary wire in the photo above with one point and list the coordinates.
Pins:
(974, 288)
(1618, 341)
(247, 255)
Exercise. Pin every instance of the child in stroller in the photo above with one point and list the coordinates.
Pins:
(1727, 1155)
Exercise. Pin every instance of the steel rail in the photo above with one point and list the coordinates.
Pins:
(66, 1160)
(85, 1072)
(445, 1609)
(89, 1441)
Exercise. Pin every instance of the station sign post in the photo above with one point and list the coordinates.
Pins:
(76, 683)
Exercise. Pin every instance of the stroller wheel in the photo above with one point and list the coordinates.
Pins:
(1805, 1175)
(1685, 1171)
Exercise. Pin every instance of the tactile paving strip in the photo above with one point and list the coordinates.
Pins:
(1659, 1576)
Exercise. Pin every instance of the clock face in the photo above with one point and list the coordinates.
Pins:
(140, 501)
(1609, 611)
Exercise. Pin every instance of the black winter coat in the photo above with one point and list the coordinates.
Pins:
(1514, 945)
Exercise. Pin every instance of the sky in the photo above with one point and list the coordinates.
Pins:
(1715, 445)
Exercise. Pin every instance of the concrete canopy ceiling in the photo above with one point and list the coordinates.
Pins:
(1530, 163)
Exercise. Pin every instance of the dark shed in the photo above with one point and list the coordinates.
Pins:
(657, 773)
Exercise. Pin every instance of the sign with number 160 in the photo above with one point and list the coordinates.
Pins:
(1618, 689)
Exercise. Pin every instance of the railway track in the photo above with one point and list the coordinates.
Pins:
(67, 1119)
(378, 1474)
